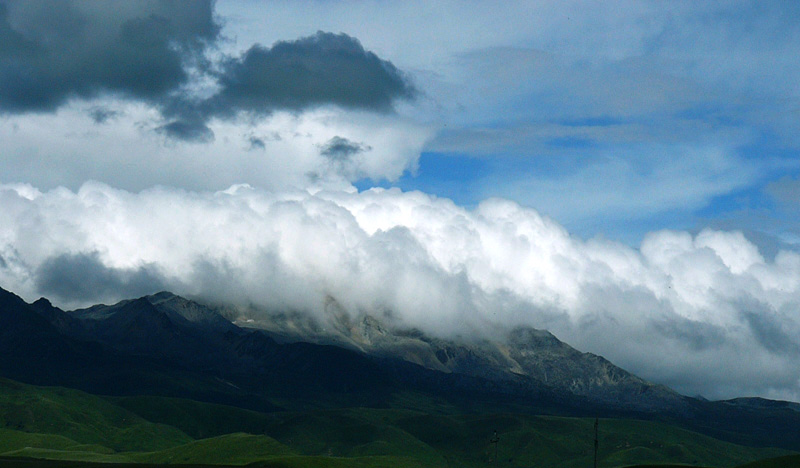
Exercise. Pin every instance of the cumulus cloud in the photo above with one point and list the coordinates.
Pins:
(705, 313)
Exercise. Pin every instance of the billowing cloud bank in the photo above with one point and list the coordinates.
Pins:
(683, 310)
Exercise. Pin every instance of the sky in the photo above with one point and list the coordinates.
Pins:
(624, 175)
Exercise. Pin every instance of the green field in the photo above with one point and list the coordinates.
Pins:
(41, 426)
(789, 461)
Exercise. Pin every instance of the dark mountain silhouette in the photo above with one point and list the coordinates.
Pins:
(169, 346)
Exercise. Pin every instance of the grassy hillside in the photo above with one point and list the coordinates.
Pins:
(197, 419)
(78, 417)
(62, 424)
(14, 440)
(789, 461)
(452, 439)
(281, 462)
(664, 466)
(231, 449)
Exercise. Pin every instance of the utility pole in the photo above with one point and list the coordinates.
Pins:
(596, 443)
(494, 440)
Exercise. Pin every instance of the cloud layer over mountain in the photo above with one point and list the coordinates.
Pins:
(617, 121)
(681, 309)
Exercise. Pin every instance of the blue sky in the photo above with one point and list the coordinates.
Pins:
(613, 120)
(623, 174)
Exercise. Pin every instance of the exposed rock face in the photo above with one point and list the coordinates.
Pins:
(528, 352)
(168, 327)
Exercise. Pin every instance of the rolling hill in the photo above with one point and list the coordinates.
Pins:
(66, 424)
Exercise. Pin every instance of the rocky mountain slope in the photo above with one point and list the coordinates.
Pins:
(523, 352)
(165, 345)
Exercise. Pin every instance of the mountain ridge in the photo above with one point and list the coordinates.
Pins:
(192, 353)
(523, 351)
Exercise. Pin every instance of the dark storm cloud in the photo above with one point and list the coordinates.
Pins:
(321, 69)
(340, 149)
(83, 276)
(54, 50)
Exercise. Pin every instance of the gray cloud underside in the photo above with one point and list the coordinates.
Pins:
(705, 313)
(324, 69)
(52, 52)
(341, 149)
(194, 130)
(101, 115)
(84, 277)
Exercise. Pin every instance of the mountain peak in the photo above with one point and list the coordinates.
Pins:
(42, 302)
(161, 296)
(179, 308)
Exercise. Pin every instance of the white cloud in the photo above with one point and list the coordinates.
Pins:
(67, 148)
(705, 313)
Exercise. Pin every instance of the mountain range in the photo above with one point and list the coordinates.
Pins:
(168, 346)
(533, 358)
